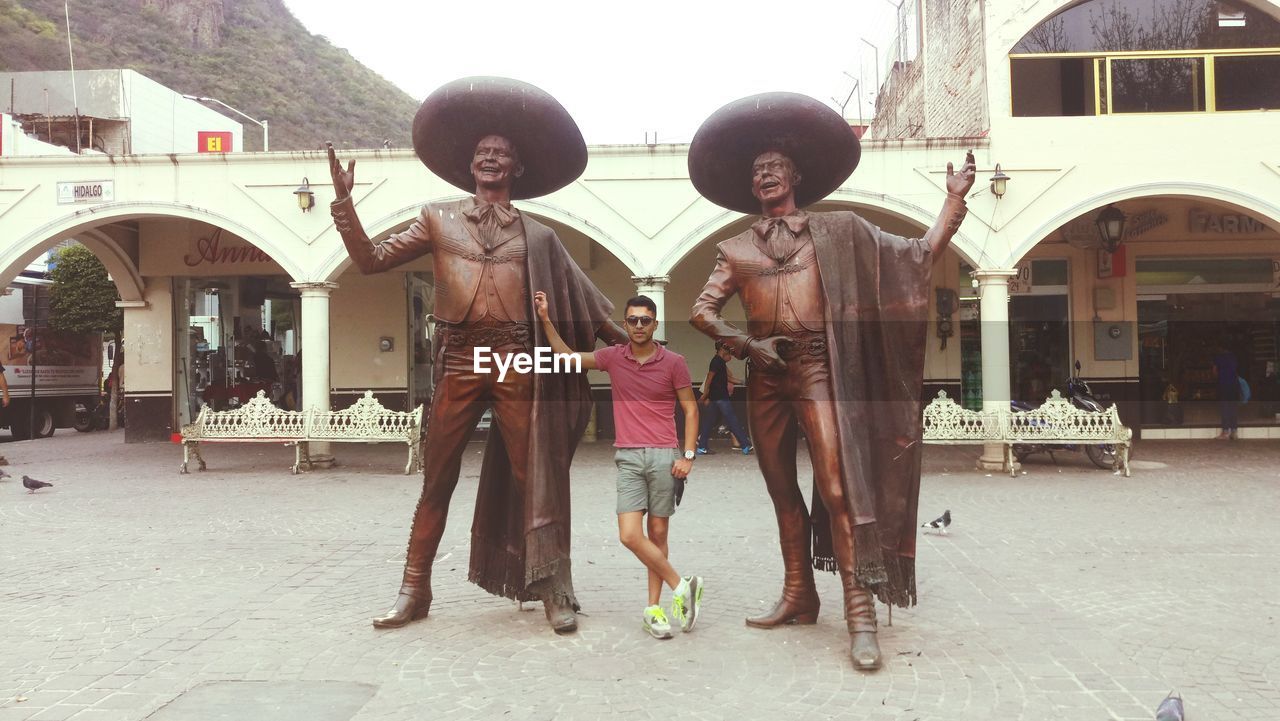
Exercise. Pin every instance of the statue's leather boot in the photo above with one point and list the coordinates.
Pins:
(414, 599)
(799, 602)
(860, 617)
(562, 617)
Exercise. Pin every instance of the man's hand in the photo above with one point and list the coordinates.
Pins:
(6, 400)
(680, 469)
(540, 305)
(705, 400)
(763, 353)
(960, 183)
(343, 180)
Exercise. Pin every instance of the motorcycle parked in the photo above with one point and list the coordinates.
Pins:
(94, 417)
(1102, 455)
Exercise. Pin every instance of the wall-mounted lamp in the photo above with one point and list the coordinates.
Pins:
(306, 198)
(1111, 227)
(999, 182)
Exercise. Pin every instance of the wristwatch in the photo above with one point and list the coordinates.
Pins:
(689, 455)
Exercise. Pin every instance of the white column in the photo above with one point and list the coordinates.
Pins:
(993, 294)
(655, 287)
(315, 355)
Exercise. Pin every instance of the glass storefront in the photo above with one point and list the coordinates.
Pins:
(235, 335)
(1192, 312)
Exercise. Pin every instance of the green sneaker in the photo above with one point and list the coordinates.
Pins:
(655, 622)
(687, 601)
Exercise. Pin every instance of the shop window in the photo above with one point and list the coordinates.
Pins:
(1116, 26)
(1157, 85)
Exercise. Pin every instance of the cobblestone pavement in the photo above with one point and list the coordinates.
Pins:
(1066, 593)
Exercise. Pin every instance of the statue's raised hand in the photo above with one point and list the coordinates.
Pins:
(343, 180)
(960, 183)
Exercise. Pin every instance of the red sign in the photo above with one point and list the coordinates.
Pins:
(210, 141)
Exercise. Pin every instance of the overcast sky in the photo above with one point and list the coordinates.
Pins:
(622, 69)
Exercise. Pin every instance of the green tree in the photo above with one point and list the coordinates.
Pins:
(83, 297)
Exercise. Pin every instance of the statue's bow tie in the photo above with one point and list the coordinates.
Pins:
(500, 215)
(765, 226)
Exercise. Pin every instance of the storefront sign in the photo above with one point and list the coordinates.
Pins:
(211, 250)
(1140, 223)
(1199, 221)
(94, 191)
(1021, 282)
(1112, 265)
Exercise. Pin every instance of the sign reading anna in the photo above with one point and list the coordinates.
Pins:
(212, 250)
(93, 191)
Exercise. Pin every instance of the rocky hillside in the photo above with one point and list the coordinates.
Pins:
(251, 54)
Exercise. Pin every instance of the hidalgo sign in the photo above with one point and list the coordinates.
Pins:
(93, 191)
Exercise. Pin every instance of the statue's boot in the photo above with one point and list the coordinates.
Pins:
(414, 599)
(799, 602)
(562, 617)
(860, 617)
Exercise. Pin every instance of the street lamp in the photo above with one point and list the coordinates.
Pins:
(1111, 227)
(999, 182)
(263, 123)
(306, 198)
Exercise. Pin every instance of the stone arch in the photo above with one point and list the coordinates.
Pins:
(1228, 196)
(847, 199)
(15, 256)
(117, 262)
(337, 263)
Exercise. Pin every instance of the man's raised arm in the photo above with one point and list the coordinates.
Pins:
(558, 345)
(370, 257)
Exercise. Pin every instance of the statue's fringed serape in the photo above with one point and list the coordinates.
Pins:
(877, 286)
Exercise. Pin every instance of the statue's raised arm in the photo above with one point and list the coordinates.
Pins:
(368, 256)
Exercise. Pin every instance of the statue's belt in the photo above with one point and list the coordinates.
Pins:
(487, 335)
(803, 346)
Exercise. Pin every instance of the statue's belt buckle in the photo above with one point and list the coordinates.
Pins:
(793, 348)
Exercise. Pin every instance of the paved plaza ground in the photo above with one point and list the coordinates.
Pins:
(129, 592)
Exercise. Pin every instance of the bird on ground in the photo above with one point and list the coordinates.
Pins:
(1170, 709)
(940, 523)
(32, 484)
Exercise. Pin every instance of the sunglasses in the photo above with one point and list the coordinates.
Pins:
(639, 321)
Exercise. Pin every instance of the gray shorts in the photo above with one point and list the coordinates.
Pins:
(645, 482)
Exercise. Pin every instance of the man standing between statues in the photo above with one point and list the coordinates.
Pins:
(502, 140)
(836, 318)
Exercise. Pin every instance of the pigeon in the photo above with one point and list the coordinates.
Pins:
(1170, 708)
(32, 484)
(940, 523)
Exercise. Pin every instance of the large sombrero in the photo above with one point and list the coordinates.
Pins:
(454, 118)
(814, 136)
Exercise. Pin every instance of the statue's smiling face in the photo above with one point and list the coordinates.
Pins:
(495, 163)
(773, 177)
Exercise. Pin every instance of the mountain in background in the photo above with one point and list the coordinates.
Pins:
(250, 54)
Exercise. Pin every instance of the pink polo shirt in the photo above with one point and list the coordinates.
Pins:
(644, 395)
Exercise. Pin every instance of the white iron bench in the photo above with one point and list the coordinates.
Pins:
(258, 421)
(1057, 421)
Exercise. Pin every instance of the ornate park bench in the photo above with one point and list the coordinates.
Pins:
(1057, 421)
(258, 421)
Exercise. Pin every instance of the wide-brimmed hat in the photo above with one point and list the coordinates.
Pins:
(454, 118)
(815, 137)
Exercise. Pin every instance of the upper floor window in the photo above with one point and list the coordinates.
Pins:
(1148, 56)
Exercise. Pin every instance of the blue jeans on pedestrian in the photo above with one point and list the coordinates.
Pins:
(711, 415)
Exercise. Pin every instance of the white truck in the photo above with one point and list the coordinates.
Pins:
(48, 372)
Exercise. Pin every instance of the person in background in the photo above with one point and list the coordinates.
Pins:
(716, 403)
(1225, 365)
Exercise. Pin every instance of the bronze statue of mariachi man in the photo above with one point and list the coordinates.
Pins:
(500, 139)
(836, 318)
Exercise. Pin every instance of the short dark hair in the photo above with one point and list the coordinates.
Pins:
(642, 301)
